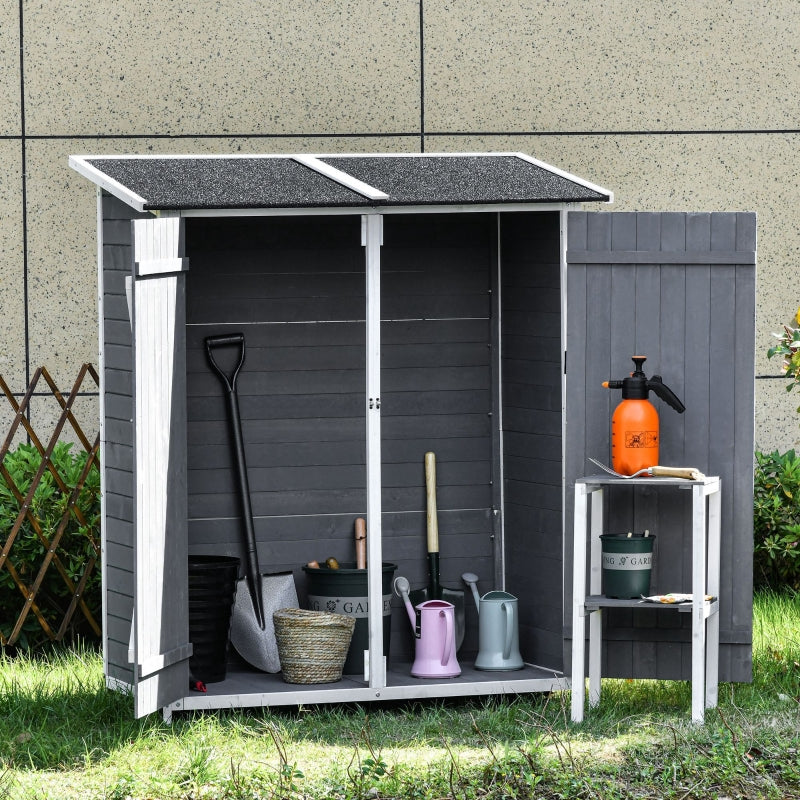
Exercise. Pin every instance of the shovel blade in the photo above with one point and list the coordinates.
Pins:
(454, 596)
(258, 647)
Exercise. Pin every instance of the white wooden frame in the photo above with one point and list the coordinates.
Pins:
(374, 658)
(159, 637)
(705, 580)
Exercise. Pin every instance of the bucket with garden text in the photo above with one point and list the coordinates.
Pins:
(627, 563)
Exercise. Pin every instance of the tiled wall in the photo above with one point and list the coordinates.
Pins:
(689, 106)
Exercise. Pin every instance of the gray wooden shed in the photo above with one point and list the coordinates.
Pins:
(394, 304)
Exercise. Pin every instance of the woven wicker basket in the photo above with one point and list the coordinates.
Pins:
(312, 645)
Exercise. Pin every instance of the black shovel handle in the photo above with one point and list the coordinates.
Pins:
(229, 382)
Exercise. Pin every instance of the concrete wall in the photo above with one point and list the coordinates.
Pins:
(688, 106)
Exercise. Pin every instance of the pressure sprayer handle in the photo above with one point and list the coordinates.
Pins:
(655, 384)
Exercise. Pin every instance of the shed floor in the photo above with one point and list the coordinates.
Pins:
(244, 688)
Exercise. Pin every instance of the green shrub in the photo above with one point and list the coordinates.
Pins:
(788, 347)
(27, 552)
(776, 520)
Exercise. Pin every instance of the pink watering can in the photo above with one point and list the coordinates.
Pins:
(433, 625)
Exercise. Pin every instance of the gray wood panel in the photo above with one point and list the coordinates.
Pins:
(117, 476)
(688, 305)
(296, 290)
(531, 392)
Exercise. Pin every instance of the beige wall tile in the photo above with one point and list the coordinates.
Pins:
(10, 106)
(777, 419)
(12, 271)
(211, 67)
(611, 65)
(62, 263)
(694, 173)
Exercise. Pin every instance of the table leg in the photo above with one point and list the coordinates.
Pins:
(698, 603)
(578, 604)
(712, 630)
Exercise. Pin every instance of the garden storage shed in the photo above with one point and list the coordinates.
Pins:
(395, 304)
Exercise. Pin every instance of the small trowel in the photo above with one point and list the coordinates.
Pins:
(688, 473)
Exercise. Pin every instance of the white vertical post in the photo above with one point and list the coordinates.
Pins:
(372, 239)
(102, 403)
(713, 588)
(595, 587)
(578, 600)
(698, 601)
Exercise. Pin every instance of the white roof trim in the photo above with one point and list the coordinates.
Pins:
(568, 175)
(82, 166)
(340, 177)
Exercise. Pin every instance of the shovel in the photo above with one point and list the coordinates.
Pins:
(252, 572)
(689, 473)
(434, 589)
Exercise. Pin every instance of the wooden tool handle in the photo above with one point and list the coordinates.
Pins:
(361, 543)
(689, 473)
(430, 497)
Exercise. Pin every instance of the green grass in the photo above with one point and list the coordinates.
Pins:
(63, 735)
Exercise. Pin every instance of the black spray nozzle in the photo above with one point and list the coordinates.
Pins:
(638, 386)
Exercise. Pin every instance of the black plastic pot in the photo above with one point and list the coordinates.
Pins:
(212, 588)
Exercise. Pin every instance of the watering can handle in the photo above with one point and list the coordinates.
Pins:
(449, 637)
(509, 610)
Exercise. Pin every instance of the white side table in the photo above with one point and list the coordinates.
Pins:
(705, 581)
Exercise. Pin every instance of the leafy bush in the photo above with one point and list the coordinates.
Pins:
(788, 347)
(27, 553)
(776, 520)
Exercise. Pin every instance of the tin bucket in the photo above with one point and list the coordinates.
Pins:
(627, 564)
(344, 591)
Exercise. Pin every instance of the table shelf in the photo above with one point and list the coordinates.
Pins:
(589, 492)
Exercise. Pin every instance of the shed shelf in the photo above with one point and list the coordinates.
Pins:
(595, 602)
(243, 688)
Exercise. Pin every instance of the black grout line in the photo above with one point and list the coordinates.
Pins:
(644, 132)
(421, 76)
(394, 134)
(24, 167)
(114, 136)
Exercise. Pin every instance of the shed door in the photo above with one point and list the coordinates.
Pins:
(160, 636)
(678, 288)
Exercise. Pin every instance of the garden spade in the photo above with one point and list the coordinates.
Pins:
(434, 590)
(252, 632)
(252, 572)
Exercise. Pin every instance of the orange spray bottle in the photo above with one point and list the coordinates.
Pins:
(634, 424)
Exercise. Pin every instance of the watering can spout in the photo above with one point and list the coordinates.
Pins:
(401, 589)
(471, 579)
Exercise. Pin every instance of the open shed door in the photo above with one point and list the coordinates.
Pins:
(160, 637)
(678, 288)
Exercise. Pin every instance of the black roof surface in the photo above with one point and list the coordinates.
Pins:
(226, 182)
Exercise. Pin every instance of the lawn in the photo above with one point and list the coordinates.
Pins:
(63, 735)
